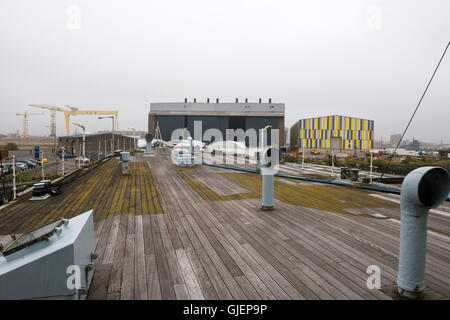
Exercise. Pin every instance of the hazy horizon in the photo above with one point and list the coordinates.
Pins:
(368, 59)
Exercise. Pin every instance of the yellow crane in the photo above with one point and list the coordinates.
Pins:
(73, 111)
(25, 121)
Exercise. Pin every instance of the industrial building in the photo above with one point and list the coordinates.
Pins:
(333, 132)
(219, 115)
(95, 142)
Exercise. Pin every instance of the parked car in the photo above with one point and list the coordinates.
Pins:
(24, 163)
(21, 166)
(82, 160)
(30, 163)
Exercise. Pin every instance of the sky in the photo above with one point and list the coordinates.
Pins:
(368, 59)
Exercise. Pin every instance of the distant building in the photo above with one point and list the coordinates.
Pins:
(216, 115)
(103, 141)
(395, 139)
(333, 132)
(415, 145)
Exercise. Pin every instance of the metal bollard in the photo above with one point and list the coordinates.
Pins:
(267, 192)
(422, 189)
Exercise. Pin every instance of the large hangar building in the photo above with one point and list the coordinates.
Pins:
(219, 115)
(333, 132)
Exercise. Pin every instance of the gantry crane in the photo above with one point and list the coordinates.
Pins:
(53, 110)
(73, 111)
(25, 121)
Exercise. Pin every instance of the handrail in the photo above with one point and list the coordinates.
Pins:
(311, 180)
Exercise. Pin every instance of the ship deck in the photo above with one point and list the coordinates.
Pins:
(164, 232)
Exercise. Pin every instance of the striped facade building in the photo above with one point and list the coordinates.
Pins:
(333, 132)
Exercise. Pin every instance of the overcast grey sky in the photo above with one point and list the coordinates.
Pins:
(369, 59)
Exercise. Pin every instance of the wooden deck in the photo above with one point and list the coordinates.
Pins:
(170, 233)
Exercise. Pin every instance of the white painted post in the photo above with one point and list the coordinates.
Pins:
(371, 161)
(84, 143)
(14, 177)
(79, 157)
(62, 156)
(42, 166)
(98, 155)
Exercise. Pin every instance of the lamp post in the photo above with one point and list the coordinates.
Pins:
(62, 157)
(42, 166)
(134, 137)
(84, 138)
(371, 166)
(112, 141)
(14, 176)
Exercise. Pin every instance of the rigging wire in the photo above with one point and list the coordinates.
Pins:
(414, 113)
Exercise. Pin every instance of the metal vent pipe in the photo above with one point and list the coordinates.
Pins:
(268, 163)
(422, 189)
